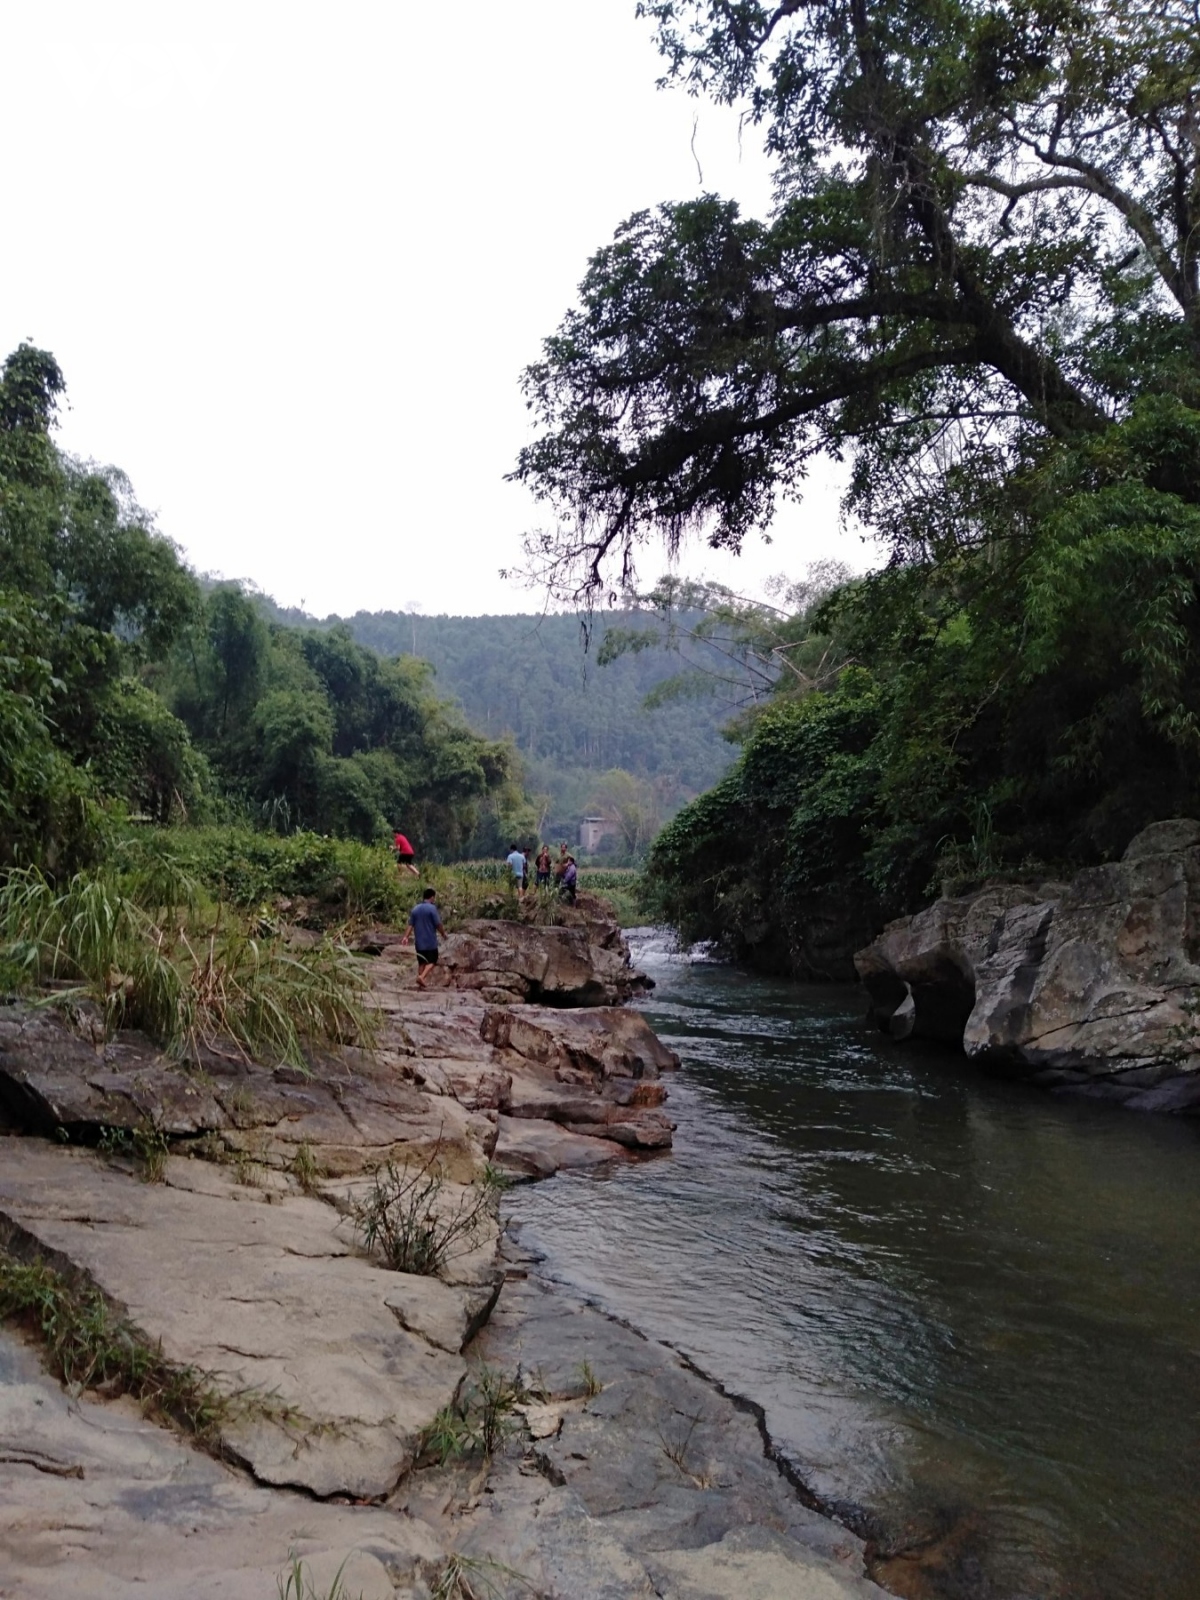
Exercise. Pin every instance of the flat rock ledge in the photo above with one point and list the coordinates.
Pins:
(242, 1262)
(264, 1293)
(645, 1481)
(1091, 987)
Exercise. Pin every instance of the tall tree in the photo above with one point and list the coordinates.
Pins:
(986, 238)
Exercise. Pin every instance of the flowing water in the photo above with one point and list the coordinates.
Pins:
(969, 1308)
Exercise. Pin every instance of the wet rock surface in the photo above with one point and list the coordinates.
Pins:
(1091, 986)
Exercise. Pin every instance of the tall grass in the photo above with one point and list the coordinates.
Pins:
(185, 979)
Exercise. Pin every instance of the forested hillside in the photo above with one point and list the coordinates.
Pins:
(577, 712)
(125, 689)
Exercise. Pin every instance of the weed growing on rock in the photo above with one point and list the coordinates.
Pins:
(297, 1584)
(479, 1421)
(676, 1452)
(495, 1178)
(476, 1578)
(241, 1103)
(494, 1397)
(448, 1436)
(146, 1146)
(591, 1383)
(247, 1170)
(406, 1217)
(306, 1169)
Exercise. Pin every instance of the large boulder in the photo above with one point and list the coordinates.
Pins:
(1092, 985)
(594, 1072)
(353, 1109)
(560, 966)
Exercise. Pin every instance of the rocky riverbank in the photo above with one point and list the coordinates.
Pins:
(242, 1266)
(1091, 986)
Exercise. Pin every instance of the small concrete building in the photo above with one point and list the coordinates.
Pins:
(593, 829)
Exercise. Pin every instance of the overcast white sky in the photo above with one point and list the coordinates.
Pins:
(292, 259)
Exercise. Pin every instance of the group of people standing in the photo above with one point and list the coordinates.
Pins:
(425, 920)
(564, 871)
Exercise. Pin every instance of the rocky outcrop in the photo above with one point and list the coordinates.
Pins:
(341, 1365)
(595, 1072)
(1092, 986)
(242, 1263)
(148, 1514)
(583, 965)
(357, 1109)
(445, 1064)
(656, 1484)
(653, 1484)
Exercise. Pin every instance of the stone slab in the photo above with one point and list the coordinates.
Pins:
(529, 1149)
(109, 1507)
(267, 1295)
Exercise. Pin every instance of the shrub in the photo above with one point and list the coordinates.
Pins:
(405, 1217)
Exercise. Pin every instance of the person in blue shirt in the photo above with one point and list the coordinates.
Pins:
(518, 866)
(425, 921)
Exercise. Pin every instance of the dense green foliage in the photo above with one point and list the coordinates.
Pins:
(987, 298)
(125, 689)
(1022, 709)
(315, 731)
(985, 238)
(578, 715)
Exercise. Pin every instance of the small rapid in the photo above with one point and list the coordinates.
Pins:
(968, 1309)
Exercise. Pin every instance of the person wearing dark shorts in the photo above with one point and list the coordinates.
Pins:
(425, 922)
(406, 856)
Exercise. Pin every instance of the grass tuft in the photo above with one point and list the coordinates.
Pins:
(591, 1383)
(297, 1584)
(146, 1146)
(479, 1421)
(306, 1169)
(404, 1217)
(89, 1346)
(477, 1578)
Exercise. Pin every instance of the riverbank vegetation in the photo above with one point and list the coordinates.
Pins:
(987, 301)
(180, 780)
(129, 690)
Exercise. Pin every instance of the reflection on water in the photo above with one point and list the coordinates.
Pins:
(962, 1303)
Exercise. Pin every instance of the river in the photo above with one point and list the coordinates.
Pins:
(969, 1308)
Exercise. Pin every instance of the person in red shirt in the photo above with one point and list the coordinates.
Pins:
(406, 856)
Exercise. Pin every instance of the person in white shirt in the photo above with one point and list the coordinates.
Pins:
(517, 865)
